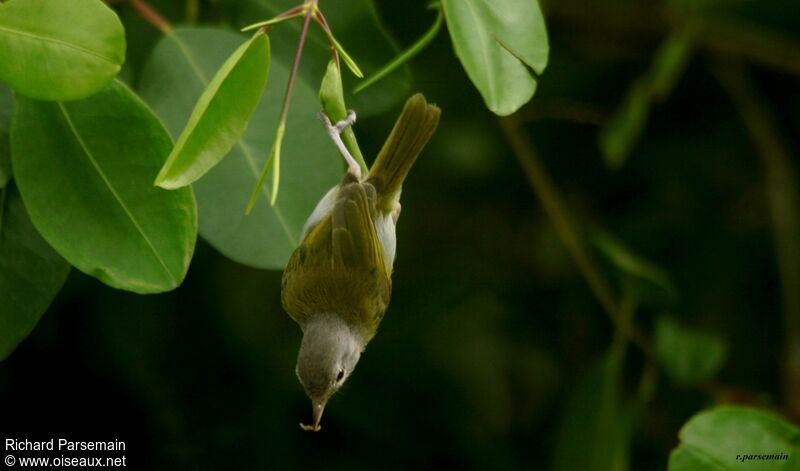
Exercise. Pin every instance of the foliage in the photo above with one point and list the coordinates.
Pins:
(84, 170)
(58, 50)
(500, 44)
(174, 79)
(690, 357)
(31, 273)
(494, 353)
(727, 437)
(221, 115)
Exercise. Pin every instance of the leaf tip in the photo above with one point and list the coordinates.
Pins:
(252, 201)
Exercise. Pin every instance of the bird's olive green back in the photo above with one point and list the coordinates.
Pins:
(339, 267)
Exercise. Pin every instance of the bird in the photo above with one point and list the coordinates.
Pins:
(337, 283)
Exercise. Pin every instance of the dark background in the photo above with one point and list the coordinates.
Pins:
(491, 326)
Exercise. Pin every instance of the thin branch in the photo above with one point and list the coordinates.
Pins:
(551, 200)
(150, 15)
(783, 198)
(274, 158)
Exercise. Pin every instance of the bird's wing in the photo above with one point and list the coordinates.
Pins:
(339, 266)
(355, 242)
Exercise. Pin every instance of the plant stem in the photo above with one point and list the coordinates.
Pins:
(556, 210)
(406, 55)
(150, 15)
(289, 14)
(783, 198)
(274, 160)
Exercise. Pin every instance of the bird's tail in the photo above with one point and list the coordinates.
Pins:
(411, 132)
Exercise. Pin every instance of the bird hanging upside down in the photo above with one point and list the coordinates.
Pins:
(338, 282)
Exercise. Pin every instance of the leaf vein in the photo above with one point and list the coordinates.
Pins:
(61, 43)
(108, 184)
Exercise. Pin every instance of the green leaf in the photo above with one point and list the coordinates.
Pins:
(628, 122)
(176, 74)
(689, 356)
(344, 56)
(622, 132)
(598, 421)
(6, 108)
(332, 97)
(671, 60)
(220, 116)
(59, 50)
(85, 171)
(631, 263)
(500, 43)
(736, 438)
(31, 273)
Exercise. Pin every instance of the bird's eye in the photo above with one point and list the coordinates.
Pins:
(340, 376)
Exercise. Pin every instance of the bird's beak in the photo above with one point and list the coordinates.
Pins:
(317, 405)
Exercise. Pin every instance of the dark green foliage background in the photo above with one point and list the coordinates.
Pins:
(490, 327)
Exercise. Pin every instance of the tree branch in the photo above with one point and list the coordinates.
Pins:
(544, 188)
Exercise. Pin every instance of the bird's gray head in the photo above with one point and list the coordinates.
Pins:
(328, 354)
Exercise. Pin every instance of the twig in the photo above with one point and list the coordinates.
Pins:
(548, 194)
(783, 197)
(150, 15)
(274, 158)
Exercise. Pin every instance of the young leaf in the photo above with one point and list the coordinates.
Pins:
(688, 356)
(58, 50)
(729, 438)
(500, 44)
(627, 124)
(85, 169)
(220, 116)
(6, 107)
(631, 263)
(31, 273)
(175, 75)
(332, 97)
(348, 61)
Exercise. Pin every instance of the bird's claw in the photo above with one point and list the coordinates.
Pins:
(335, 131)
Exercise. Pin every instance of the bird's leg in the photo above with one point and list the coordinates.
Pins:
(335, 131)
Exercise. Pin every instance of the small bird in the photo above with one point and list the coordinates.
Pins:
(337, 283)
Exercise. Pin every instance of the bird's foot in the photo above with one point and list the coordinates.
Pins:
(335, 131)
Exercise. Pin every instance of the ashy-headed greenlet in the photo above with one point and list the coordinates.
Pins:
(338, 282)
